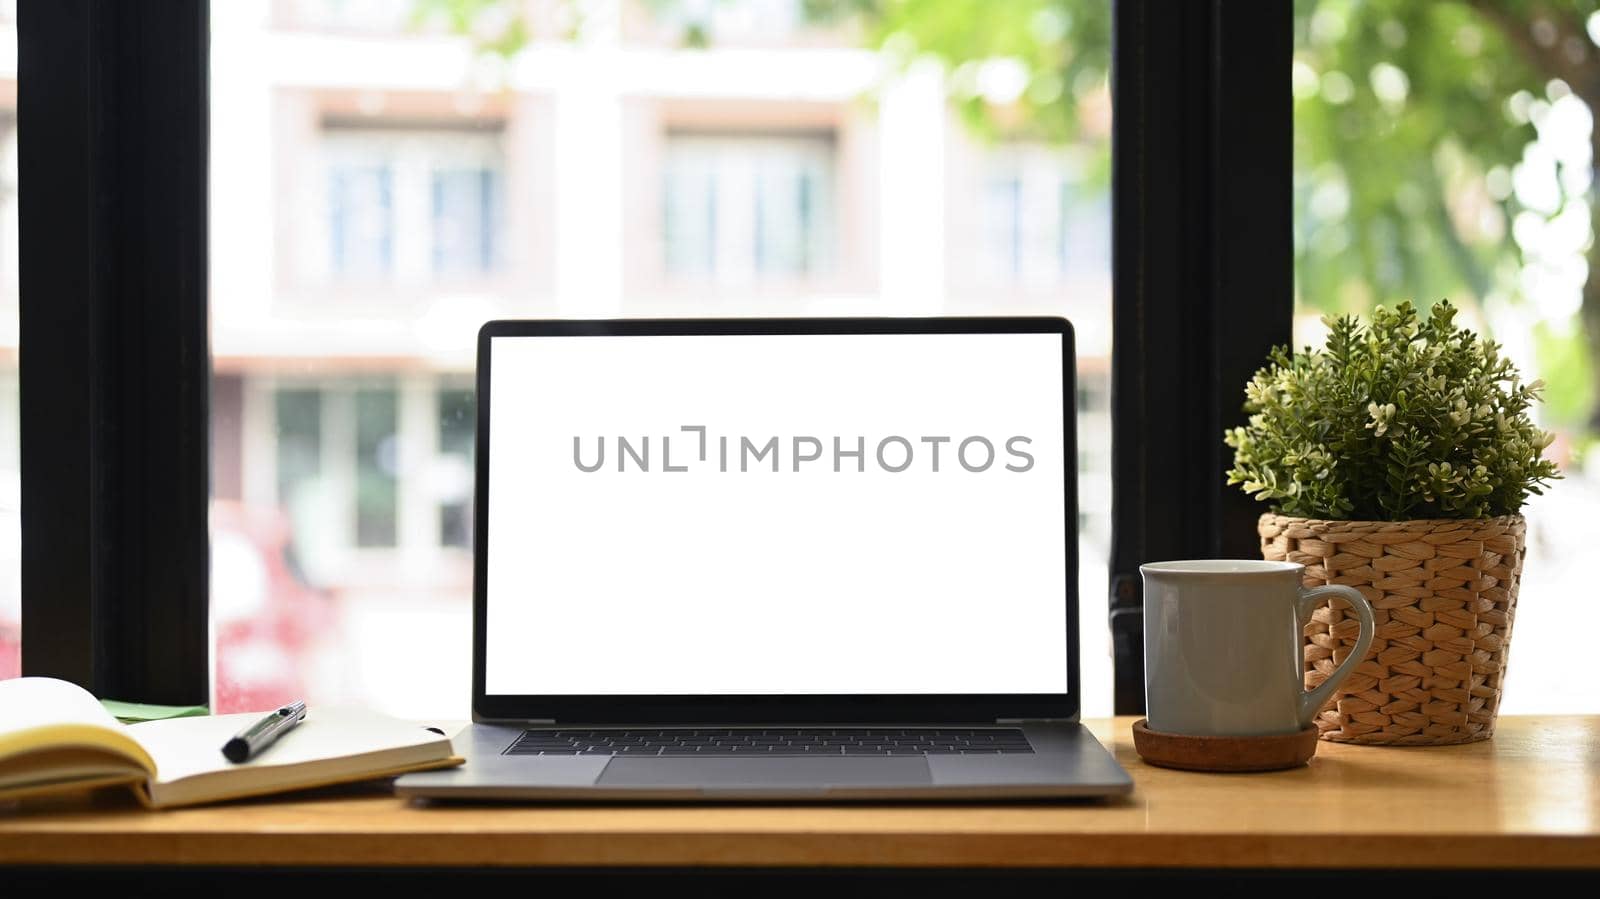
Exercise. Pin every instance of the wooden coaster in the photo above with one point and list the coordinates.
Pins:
(1190, 753)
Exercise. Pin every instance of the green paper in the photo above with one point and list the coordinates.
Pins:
(134, 712)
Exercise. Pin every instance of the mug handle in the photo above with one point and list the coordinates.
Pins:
(1311, 701)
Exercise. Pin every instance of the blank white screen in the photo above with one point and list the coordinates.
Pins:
(816, 581)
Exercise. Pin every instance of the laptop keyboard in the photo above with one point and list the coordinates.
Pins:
(772, 741)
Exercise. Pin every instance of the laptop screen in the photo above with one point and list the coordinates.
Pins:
(704, 515)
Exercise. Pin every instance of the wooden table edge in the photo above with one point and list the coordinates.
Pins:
(1529, 799)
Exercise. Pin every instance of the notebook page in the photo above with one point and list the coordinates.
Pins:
(48, 727)
(330, 744)
(29, 702)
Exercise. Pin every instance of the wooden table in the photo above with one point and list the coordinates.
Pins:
(1530, 798)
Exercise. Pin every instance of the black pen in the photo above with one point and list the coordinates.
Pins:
(252, 740)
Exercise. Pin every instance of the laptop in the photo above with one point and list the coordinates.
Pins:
(775, 559)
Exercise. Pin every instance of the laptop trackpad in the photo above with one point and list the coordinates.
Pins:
(732, 771)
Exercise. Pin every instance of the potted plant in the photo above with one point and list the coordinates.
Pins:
(1397, 459)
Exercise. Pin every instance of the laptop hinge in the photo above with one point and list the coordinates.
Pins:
(1034, 720)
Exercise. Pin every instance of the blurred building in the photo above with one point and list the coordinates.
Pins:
(379, 190)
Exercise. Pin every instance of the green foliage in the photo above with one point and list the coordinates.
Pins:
(1569, 378)
(497, 27)
(1062, 46)
(1400, 113)
(1407, 417)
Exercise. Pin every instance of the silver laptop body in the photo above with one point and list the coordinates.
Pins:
(775, 559)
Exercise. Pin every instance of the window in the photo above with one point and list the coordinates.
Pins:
(350, 453)
(749, 208)
(689, 219)
(353, 507)
(377, 463)
(413, 205)
(404, 204)
(465, 201)
(452, 480)
(299, 421)
(1401, 193)
(1043, 216)
(1094, 456)
(1085, 245)
(1092, 396)
(361, 219)
(574, 239)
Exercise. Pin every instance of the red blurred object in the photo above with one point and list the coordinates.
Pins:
(10, 575)
(267, 620)
(10, 650)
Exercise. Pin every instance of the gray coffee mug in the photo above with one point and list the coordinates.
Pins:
(1223, 643)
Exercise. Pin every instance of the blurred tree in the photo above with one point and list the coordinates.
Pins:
(497, 27)
(1423, 136)
(1446, 149)
(1413, 127)
(1020, 67)
(1025, 66)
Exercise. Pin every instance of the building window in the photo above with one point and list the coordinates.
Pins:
(1042, 222)
(377, 467)
(464, 221)
(689, 222)
(412, 205)
(785, 226)
(1002, 218)
(1085, 244)
(362, 226)
(453, 482)
(299, 418)
(341, 446)
(748, 208)
(1092, 396)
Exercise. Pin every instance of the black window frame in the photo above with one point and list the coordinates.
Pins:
(1202, 280)
(113, 112)
(116, 378)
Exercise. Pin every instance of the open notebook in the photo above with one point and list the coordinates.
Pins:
(56, 737)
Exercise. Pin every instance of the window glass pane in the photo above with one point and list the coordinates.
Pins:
(360, 219)
(377, 463)
(1002, 215)
(453, 469)
(464, 206)
(299, 418)
(386, 178)
(10, 448)
(748, 207)
(1445, 150)
(689, 215)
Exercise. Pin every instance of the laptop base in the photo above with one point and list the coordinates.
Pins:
(1067, 762)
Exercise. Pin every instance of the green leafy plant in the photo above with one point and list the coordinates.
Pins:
(1407, 417)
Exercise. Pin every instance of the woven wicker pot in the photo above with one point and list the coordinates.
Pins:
(1444, 592)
